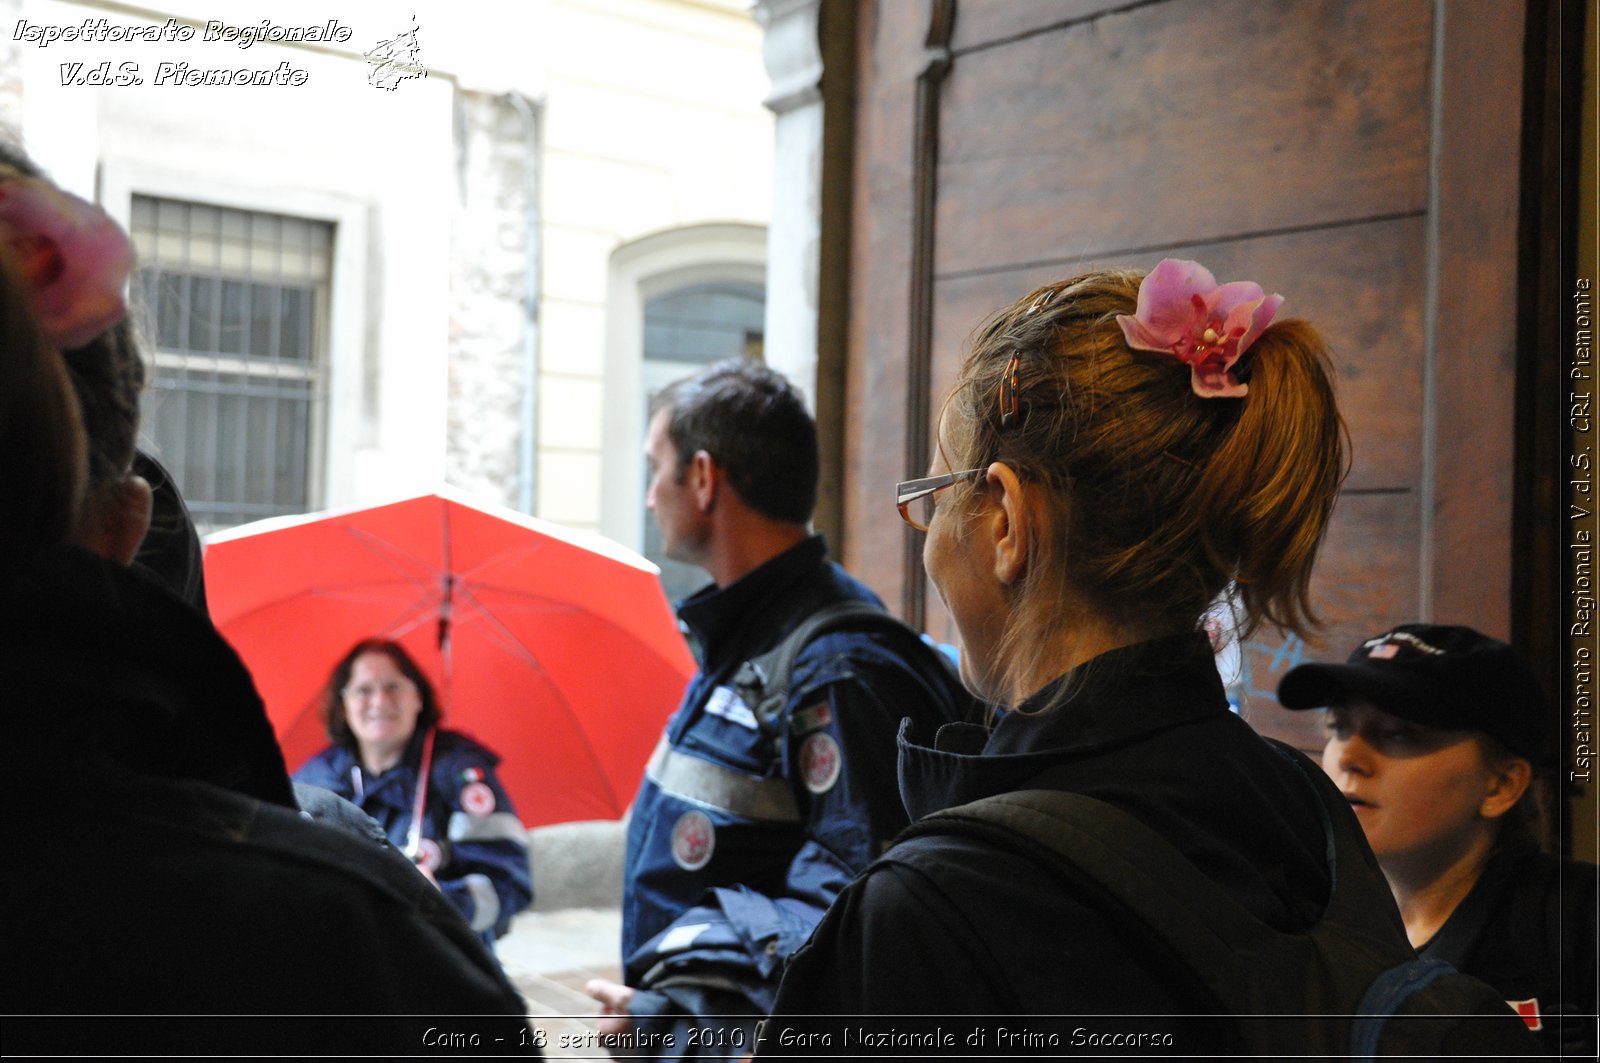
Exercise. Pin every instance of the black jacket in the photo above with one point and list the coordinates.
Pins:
(158, 862)
(1528, 929)
(945, 925)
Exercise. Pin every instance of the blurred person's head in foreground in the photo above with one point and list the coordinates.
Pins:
(67, 262)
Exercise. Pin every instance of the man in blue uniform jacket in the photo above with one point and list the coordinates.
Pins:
(746, 828)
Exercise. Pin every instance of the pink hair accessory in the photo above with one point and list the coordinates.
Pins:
(74, 257)
(1182, 311)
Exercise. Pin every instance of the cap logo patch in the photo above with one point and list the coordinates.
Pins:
(693, 841)
(1394, 641)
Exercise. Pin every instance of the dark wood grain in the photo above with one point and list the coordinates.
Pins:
(985, 22)
(1181, 123)
(1475, 360)
(889, 58)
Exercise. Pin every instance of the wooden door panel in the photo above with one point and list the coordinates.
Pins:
(1363, 286)
(984, 23)
(1183, 123)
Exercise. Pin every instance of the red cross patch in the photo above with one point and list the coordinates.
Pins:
(693, 840)
(820, 762)
(477, 798)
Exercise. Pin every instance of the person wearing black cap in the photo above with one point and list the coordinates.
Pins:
(1445, 746)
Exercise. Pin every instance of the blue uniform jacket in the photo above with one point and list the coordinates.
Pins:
(473, 841)
(742, 835)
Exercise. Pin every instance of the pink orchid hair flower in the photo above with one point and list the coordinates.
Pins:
(72, 255)
(1182, 311)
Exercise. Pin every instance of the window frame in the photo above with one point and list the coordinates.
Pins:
(347, 413)
(719, 253)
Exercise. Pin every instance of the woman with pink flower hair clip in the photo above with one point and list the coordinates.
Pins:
(1119, 451)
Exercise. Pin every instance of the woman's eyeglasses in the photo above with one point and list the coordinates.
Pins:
(915, 497)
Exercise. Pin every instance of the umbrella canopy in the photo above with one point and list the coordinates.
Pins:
(555, 649)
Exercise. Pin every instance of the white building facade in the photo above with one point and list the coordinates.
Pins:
(401, 246)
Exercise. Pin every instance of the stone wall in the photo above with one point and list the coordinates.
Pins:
(577, 865)
(492, 327)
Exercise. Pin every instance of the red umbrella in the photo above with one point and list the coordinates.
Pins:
(555, 649)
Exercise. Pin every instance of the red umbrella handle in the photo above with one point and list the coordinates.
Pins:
(414, 836)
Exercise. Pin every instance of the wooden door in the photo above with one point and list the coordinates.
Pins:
(1361, 157)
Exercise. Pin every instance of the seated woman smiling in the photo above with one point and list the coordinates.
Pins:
(434, 792)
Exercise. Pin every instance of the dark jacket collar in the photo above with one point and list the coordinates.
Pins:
(104, 665)
(1119, 698)
(715, 615)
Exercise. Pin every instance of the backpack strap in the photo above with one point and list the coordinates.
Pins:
(1125, 869)
(1357, 903)
(764, 681)
(1216, 946)
(1387, 996)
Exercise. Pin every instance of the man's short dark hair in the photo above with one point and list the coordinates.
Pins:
(754, 424)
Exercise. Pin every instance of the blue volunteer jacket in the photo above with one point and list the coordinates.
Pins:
(744, 831)
(473, 841)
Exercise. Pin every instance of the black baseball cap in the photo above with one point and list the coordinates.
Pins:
(1442, 676)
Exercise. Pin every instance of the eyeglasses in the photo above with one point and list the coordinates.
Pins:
(915, 497)
(369, 691)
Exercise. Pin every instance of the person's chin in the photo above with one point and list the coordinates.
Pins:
(683, 554)
(384, 736)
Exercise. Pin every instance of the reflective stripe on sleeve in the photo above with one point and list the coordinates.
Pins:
(495, 827)
(715, 786)
(485, 901)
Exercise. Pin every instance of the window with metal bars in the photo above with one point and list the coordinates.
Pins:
(237, 302)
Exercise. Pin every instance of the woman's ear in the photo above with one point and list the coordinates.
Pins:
(1508, 781)
(116, 519)
(1006, 523)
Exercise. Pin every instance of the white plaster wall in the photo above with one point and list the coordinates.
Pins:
(654, 122)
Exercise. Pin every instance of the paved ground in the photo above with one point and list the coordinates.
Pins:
(549, 955)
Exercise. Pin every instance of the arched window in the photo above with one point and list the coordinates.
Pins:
(677, 301)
